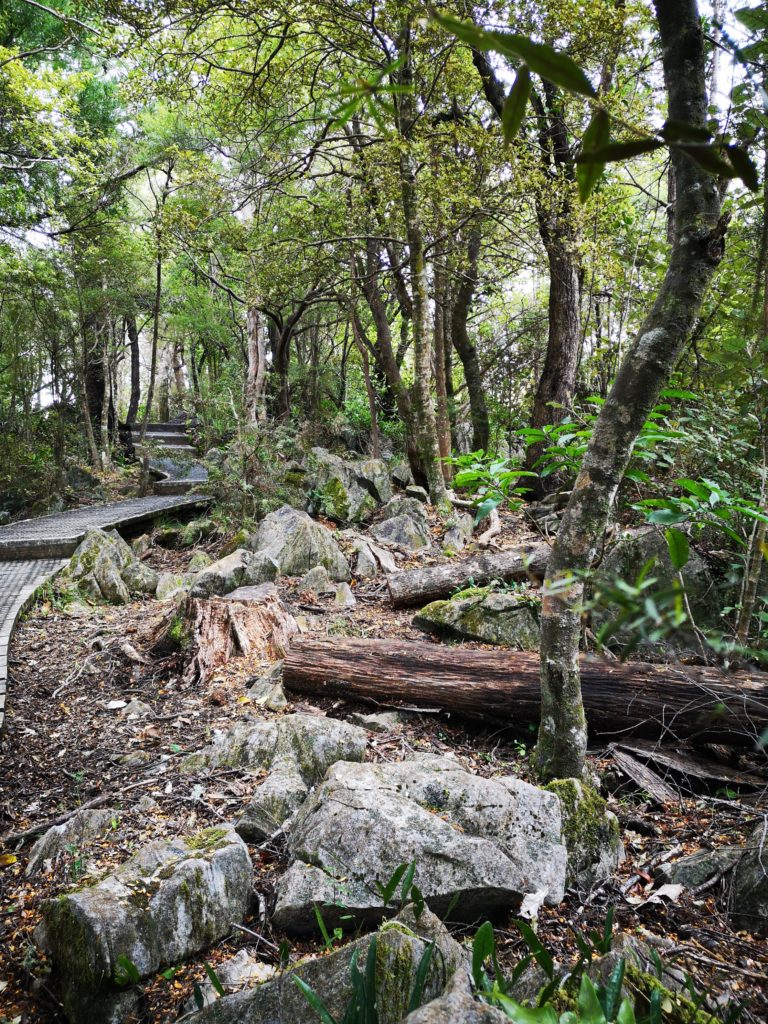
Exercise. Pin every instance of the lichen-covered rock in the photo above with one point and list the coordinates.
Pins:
(344, 598)
(200, 560)
(347, 490)
(590, 832)
(171, 584)
(297, 543)
(297, 750)
(317, 582)
(105, 569)
(400, 947)
(267, 691)
(72, 835)
(457, 1005)
(239, 972)
(240, 569)
(480, 614)
(401, 475)
(140, 579)
(403, 506)
(366, 566)
(484, 843)
(169, 901)
(749, 893)
(419, 493)
(406, 532)
(458, 534)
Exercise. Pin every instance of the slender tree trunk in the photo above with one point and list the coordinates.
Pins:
(696, 252)
(256, 378)
(466, 350)
(155, 338)
(443, 420)
(133, 342)
(424, 420)
(357, 333)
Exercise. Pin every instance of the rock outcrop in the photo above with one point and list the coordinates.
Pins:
(297, 544)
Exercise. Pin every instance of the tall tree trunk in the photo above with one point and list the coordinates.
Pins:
(424, 421)
(133, 342)
(473, 376)
(155, 337)
(696, 252)
(256, 377)
(443, 420)
(357, 333)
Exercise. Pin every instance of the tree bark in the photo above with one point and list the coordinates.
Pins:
(657, 701)
(416, 587)
(696, 252)
(424, 421)
(133, 343)
(467, 352)
(442, 419)
(256, 377)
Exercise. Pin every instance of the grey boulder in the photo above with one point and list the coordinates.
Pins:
(406, 532)
(105, 569)
(73, 834)
(297, 543)
(240, 569)
(485, 843)
(749, 894)
(296, 750)
(347, 490)
(457, 1005)
(400, 948)
(168, 902)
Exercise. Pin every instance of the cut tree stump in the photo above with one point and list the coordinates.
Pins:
(502, 688)
(417, 587)
(211, 632)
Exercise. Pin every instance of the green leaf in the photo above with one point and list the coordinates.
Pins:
(595, 137)
(667, 517)
(314, 1001)
(520, 1014)
(590, 1010)
(679, 548)
(626, 1014)
(214, 979)
(516, 104)
(743, 165)
(421, 978)
(126, 971)
(613, 989)
(544, 60)
(485, 508)
(482, 947)
(542, 956)
(710, 159)
(681, 131)
(387, 891)
(619, 151)
(699, 490)
(407, 885)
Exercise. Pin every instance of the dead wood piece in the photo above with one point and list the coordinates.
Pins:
(502, 687)
(687, 764)
(212, 632)
(416, 587)
(645, 777)
(494, 529)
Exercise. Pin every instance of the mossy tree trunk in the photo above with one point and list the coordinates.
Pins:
(423, 409)
(696, 252)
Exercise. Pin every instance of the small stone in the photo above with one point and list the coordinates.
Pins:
(73, 834)
(478, 613)
(419, 493)
(241, 971)
(379, 721)
(267, 691)
(170, 585)
(317, 581)
(365, 564)
(240, 569)
(749, 893)
(141, 545)
(344, 597)
(699, 867)
(136, 709)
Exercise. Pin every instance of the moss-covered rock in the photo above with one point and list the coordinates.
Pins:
(590, 832)
(169, 901)
(105, 570)
(297, 543)
(346, 490)
(478, 613)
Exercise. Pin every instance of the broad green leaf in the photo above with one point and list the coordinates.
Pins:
(214, 979)
(417, 994)
(482, 947)
(516, 104)
(681, 131)
(541, 955)
(544, 60)
(595, 137)
(626, 1014)
(743, 166)
(679, 548)
(314, 1001)
(710, 159)
(520, 1014)
(667, 517)
(694, 487)
(590, 1010)
(619, 151)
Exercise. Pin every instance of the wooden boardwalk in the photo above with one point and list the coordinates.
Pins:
(33, 550)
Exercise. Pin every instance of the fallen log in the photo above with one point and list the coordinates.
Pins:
(417, 587)
(502, 688)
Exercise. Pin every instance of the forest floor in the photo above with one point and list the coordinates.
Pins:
(66, 745)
